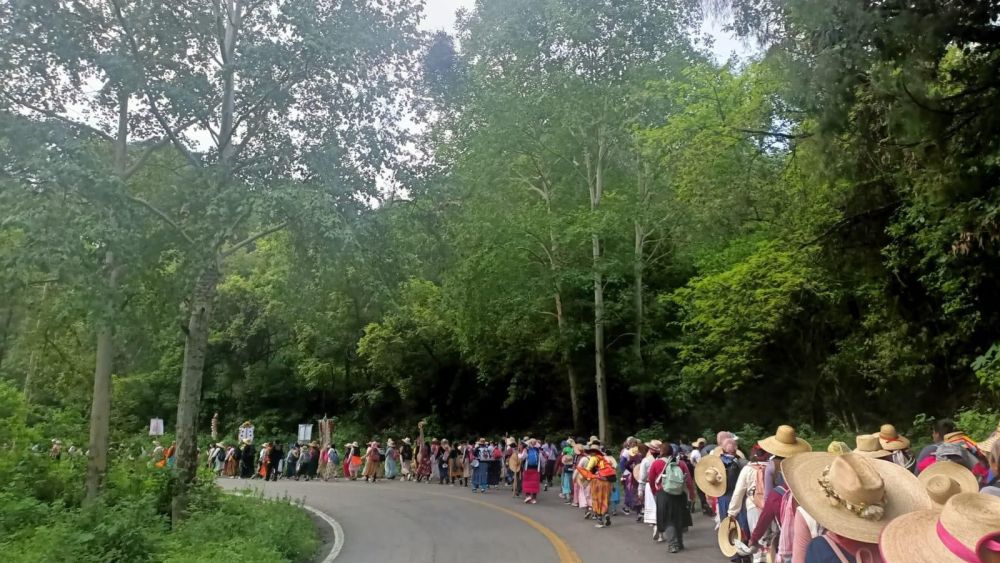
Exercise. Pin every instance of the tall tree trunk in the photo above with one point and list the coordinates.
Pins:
(29, 377)
(189, 400)
(567, 360)
(100, 409)
(637, 296)
(595, 177)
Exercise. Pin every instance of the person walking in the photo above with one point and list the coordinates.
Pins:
(391, 460)
(480, 467)
(532, 460)
(372, 460)
(600, 473)
(275, 456)
(406, 460)
(670, 481)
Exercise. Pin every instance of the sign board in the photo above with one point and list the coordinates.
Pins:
(305, 432)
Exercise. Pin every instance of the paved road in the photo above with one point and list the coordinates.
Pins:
(391, 522)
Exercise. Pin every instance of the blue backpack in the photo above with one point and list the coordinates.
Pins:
(533, 458)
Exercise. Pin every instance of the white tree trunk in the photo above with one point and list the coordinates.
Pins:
(189, 400)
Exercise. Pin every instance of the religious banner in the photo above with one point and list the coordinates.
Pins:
(246, 432)
(305, 432)
(156, 427)
(325, 431)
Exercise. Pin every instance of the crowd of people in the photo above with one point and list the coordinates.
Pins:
(775, 500)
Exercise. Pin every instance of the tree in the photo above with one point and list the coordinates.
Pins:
(280, 88)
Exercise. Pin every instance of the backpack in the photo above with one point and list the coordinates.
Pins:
(534, 460)
(220, 455)
(733, 475)
(758, 486)
(606, 471)
(672, 478)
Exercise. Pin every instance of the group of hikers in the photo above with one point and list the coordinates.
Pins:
(775, 500)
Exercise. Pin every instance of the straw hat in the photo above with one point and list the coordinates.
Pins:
(945, 479)
(785, 443)
(593, 446)
(710, 476)
(869, 446)
(891, 439)
(953, 534)
(578, 448)
(406, 441)
(729, 533)
(533, 443)
(851, 495)
(391, 443)
(838, 448)
(699, 443)
(987, 444)
(655, 445)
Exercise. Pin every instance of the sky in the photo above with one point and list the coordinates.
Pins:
(440, 14)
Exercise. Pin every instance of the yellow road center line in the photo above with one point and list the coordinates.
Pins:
(564, 551)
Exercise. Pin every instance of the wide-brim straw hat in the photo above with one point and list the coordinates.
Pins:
(406, 441)
(856, 479)
(785, 443)
(729, 532)
(967, 523)
(533, 443)
(391, 443)
(945, 479)
(986, 445)
(868, 445)
(710, 476)
(891, 439)
(593, 446)
(655, 445)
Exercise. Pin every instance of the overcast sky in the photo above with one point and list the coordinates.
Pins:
(440, 14)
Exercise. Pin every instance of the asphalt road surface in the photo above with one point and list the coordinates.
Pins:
(392, 521)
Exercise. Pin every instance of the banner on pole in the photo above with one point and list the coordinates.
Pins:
(246, 432)
(305, 432)
(156, 427)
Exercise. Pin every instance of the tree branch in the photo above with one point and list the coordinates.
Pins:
(250, 240)
(773, 134)
(134, 48)
(157, 211)
(51, 114)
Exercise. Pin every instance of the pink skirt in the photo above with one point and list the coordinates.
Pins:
(532, 482)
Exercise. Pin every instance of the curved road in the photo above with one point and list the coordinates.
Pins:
(392, 521)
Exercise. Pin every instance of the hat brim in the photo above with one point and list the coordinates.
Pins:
(904, 494)
(877, 454)
(900, 443)
(913, 537)
(728, 531)
(954, 471)
(701, 478)
(987, 444)
(773, 446)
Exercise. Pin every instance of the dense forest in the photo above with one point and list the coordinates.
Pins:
(567, 216)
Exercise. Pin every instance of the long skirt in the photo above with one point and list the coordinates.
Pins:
(347, 467)
(390, 468)
(480, 476)
(435, 470)
(670, 511)
(493, 472)
(466, 469)
(406, 468)
(531, 481)
(455, 468)
(630, 497)
(649, 511)
(371, 468)
(424, 468)
(582, 498)
(600, 495)
(616, 495)
(567, 484)
(230, 470)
